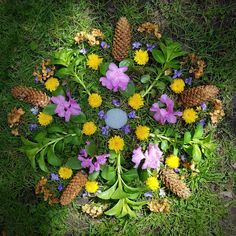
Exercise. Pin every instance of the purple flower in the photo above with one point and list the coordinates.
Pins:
(36, 79)
(183, 158)
(126, 129)
(176, 170)
(203, 106)
(151, 157)
(136, 45)
(48, 70)
(115, 78)
(202, 122)
(83, 51)
(177, 73)
(101, 114)
(105, 130)
(54, 177)
(150, 47)
(104, 45)
(60, 187)
(34, 110)
(33, 127)
(132, 114)
(116, 102)
(148, 194)
(66, 108)
(167, 114)
(188, 80)
(88, 142)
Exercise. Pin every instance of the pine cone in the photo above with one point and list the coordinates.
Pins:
(122, 39)
(73, 189)
(174, 184)
(196, 96)
(30, 95)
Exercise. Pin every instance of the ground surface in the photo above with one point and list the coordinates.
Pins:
(30, 30)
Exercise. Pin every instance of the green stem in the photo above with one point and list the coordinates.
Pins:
(81, 82)
(119, 170)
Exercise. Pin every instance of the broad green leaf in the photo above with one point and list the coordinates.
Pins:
(81, 118)
(108, 173)
(76, 140)
(63, 72)
(73, 163)
(28, 142)
(91, 149)
(130, 175)
(116, 210)
(143, 174)
(160, 85)
(108, 193)
(93, 176)
(187, 137)
(113, 155)
(145, 79)
(52, 157)
(41, 161)
(126, 62)
(158, 56)
(31, 154)
(59, 147)
(164, 145)
(55, 129)
(196, 153)
(62, 57)
(59, 91)
(50, 109)
(40, 137)
(104, 67)
(198, 132)
(130, 90)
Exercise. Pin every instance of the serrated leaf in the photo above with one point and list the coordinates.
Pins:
(81, 118)
(52, 157)
(50, 109)
(108, 193)
(145, 79)
(73, 163)
(196, 153)
(130, 90)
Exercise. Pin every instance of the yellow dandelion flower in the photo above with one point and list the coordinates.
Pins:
(177, 86)
(116, 143)
(89, 128)
(95, 100)
(142, 132)
(152, 183)
(136, 101)
(91, 186)
(44, 119)
(141, 57)
(52, 84)
(189, 115)
(65, 172)
(172, 161)
(94, 61)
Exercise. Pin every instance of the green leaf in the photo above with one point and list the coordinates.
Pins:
(40, 137)
(41, 161)
(81, 118)
(113, 155)
(59, 91)
(73, 163)
(196, 153)
(187, 137)
(108, 193)
(91, 149)
(76, 140)
(145, 79)
(31, 154)
(52, 157)
(50, 109)
(63, 72)
(55, 129)
(158, 56)
(130, 175)
(108, 173)
(130, 90)
(143, 174)
(62, 57)
(27, 142)
(93, 176)
(198, 134)
(116, 210)
(164, 145)
(126, 62)
(104, 67)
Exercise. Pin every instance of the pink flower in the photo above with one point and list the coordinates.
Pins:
(115, 78)
(151, 157)
(167, 114)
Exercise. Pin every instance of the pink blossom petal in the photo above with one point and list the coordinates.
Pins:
(137, 156)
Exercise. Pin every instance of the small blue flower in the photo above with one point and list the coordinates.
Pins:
(83, 51)
(202, 122)
(33, 127)
(132, 114)
(126, 129)
(116, 102)
(54, 177)
(101, 114)
(203, 106)
(34, 110)
(150, 47)
(162, 192)
(188, 80)
(177, 73)
(60, 187)
(104, 45)
(183, 158)
(148, 194)
(136, 45)
(36, 79)
(105, 130)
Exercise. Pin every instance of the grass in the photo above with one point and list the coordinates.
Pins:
(30, 30)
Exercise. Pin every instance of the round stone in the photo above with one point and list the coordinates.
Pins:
(116, 118)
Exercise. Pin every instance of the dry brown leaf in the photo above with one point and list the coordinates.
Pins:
(218, 113)
(15, 132)
(161, 205)
(91, 38)
(150, 28)
(13, 118)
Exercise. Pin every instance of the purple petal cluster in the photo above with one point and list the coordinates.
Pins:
(188, 80)
(151, 157)
(34, 110)
(88, 162)
(66, 108)
(83, 51)
(126, 129)
(167, 114)
(150, 47)
(177, 73)
(54, 177)
(136, 45)
(105, 130)
(101, 114)
(204, 106)
(132, 115)
(60, 187)
(104, 45)
(33, 127)
(115, 78)
(116, 102)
